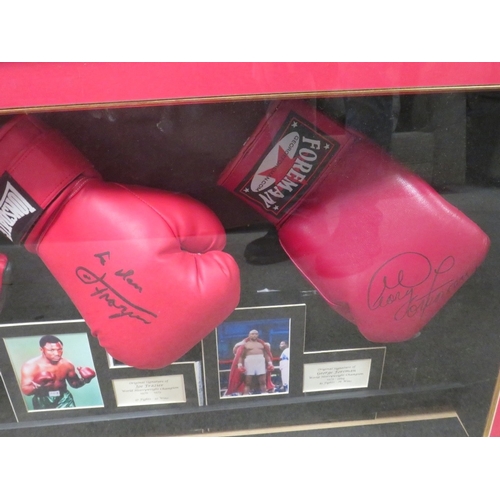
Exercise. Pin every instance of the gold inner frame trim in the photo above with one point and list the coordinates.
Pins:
(494, 409)
(248, 97)
(450, 414)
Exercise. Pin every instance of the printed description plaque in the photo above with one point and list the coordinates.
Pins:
(336, 375)
(164, 389)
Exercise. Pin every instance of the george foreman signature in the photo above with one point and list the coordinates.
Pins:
(410, 281)
(102, 290)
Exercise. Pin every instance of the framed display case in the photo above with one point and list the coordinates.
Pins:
(358, 204)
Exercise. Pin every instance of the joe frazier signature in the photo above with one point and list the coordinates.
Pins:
(103, 291)
(409, 282)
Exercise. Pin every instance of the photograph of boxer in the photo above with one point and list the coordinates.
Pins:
(248, 357)
(254, 364)
(45, 380)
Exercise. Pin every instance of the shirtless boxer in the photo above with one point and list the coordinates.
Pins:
(45, 376)
(255, 361)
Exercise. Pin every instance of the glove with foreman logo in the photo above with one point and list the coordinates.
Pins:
(379, 244)
(144, 267)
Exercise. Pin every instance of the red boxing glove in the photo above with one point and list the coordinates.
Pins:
(379, 244)
(44, 379)
(86, 373)
(270, 367)
(241, 369)
(144, 267)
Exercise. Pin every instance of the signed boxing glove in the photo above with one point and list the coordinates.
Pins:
(379, 244)
(145, 268)
(86, 373)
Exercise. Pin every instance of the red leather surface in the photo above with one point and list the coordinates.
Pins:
(26, 143)
(383, 248)
(145, 268)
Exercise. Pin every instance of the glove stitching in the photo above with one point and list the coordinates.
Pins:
(17, 164)
(154, 209)
(76, 188)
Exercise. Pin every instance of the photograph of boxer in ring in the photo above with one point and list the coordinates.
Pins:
(248, 356)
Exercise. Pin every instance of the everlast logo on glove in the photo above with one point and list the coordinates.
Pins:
(18, 211)
(285, 173)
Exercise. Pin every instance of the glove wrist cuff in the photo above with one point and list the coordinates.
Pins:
(36, 166)
(286, 157)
